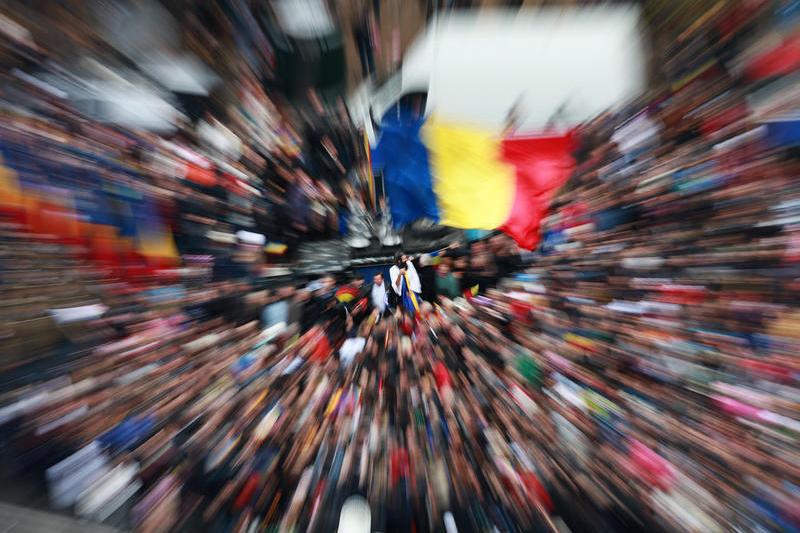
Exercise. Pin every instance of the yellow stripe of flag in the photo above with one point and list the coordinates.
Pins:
(475, 189)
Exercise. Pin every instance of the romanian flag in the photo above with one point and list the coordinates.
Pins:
(347, 294)
(466, 178)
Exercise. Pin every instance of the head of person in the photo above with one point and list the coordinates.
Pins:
(285, 292)
(399, 260)
(328, 282)
(302, 295)
(377, 279)
(444, 268)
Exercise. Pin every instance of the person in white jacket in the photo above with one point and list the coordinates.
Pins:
(405, 282)
(378, 295)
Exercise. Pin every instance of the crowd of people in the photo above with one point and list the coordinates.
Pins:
(665, 301)
(639, 371)
(96, 202)
(68, 175)
(527, 407)
(199, 407)
(251, 161)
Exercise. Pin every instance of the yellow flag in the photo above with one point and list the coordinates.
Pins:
(474, 187)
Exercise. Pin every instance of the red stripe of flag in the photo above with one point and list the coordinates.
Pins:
(542, 165)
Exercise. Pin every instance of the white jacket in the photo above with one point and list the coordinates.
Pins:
(413, 278)
(380, 299)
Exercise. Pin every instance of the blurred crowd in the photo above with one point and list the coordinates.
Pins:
(91, 207)
(665, 301)
(239, 159)
(522, 408)
(639, 371)
(127, 193)
(93, 204)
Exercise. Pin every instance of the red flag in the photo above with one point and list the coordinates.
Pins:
(542, 165)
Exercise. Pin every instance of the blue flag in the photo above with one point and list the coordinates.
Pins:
(403, 159)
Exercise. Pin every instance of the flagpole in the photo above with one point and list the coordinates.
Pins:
(370, 176)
